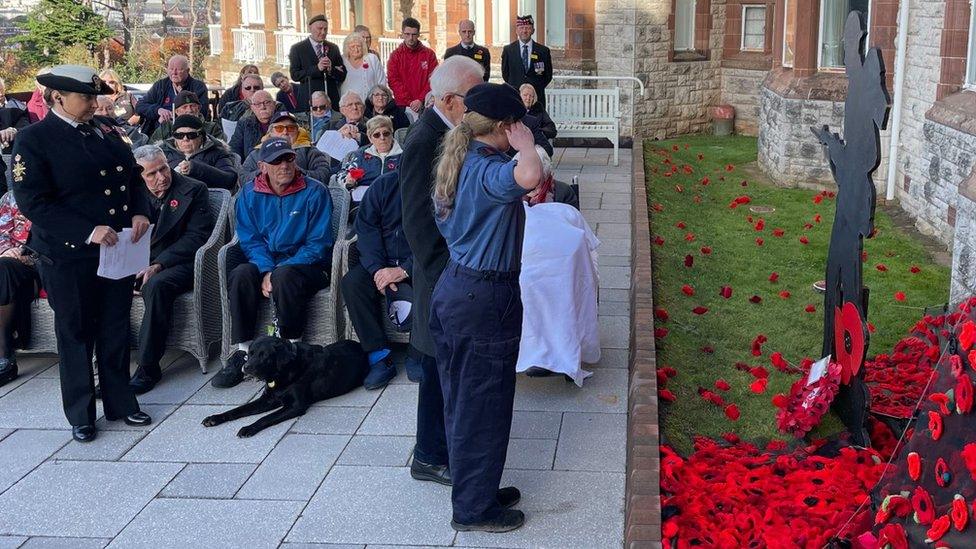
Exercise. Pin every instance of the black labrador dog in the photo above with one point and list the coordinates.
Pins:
(296, 375)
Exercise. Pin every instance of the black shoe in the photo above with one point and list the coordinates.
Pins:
(84, 433)
(508, 496)
(8, 370)
(536, 371)
(233, 373)
(440, 474)
(507, 521)
(141, 382)
(138, 419)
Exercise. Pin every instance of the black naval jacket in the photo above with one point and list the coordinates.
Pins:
(183, 224)
(67, 183)
(476, 52)
(540, 68)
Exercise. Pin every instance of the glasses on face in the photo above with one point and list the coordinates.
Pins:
(282, 128)
(381, 135)
(318, 108)
(253, 88)
(288, 159)
(186, 135)
(267, 103)
(357, 105)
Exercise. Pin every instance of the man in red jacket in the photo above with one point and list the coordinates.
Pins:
(409, 68)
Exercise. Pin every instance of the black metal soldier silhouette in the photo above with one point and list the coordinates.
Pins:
(853, 160)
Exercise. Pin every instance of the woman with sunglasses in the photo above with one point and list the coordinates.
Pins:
(192, 152)
(125, 104)
(311, 161)
(234, 92)
(363, 166)
(380, 102)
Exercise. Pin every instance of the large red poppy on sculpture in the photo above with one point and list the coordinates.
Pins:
(848, 340)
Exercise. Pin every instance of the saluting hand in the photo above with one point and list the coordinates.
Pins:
(520, 137)
(140, 224)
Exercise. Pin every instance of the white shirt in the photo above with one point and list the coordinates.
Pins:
(447, 122)
(74, 123)
(361, 80)
(523, 44)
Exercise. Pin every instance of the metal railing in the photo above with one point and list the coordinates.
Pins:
(249, 45)
(284, 39)
(216, 39)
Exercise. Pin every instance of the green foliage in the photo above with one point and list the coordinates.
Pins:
(730, 325)
(58, 24)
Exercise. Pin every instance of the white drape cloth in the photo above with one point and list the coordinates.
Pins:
(559, 281)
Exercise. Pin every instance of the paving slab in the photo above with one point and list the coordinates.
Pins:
(158, 413)
(530, 453)
(360, 398)
(209, 480)
(613, 230)
(378, 451)
(4, 433)
(294, 469)
(325, 546)
(109, 446)
(36, 404)
(395, 413)
(605, 391)
(231, 396)
(536, 424)
(330, 420)
(210, 523)
(614, 246)
(614, 260)
(24, 450)
(592, 442)
(81, 499)
(180, 381)
(615, 277)
(562, 509)
(612, 358)
(65, 543)
(614, 332)
(610, 294)
(182, 438)
(376, 505)
(11, 542)
(614, 308)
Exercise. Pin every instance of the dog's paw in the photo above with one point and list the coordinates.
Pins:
(211, 421)
(247, 431)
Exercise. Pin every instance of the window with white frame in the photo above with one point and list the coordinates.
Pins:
(477, 14)
(833, 16)
(684, 25)
(252, 11)
(753, 28)
(286, 13)
(971, 53)
(556, 23)
(345, 9)
(501, 22)
(389, 19)
(789, 32)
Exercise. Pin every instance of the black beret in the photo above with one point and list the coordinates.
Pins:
(75, 78)
(188, 121)
(496, 101)
(317, 18)
(524, 20)
(185, 97)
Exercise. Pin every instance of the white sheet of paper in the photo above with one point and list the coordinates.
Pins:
(359, 192)
(818, 369)
(125, 258)
(333, 144)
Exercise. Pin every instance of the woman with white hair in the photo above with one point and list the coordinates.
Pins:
(363, 69)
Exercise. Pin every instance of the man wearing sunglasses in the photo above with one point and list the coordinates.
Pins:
(187, 102)
(193, 153)
(235, 110)
(311, 161)
(284, 229)
(322, 114)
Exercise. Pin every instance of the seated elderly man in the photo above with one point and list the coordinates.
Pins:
(284, 229)
(352, 123)
(193, 153)
(252, 127)
(234, 110)
(187, 102)
(311, 161)
(179, 207)
(322, 114)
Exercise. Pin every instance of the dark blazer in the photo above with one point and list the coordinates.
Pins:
(429, 250)
(247, 134)
(184, 223)
(214, 165)
(67, 183)
(162, 95)
(286, 100)
(303, 66)
(514, 73)
(12, 117)
(379, 227)
(476, 52)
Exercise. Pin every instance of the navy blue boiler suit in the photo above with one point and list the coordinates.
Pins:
(476, 323)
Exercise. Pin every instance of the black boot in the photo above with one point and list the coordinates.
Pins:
(8, 370)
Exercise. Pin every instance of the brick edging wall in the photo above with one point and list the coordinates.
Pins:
(642, 502)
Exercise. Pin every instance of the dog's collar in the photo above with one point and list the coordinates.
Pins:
(271, 385)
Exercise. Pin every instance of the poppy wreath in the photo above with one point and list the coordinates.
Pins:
(807, 403)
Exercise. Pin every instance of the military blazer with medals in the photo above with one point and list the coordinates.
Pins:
(183, 223)
(539, 73)
(476, 52)
(67, 183)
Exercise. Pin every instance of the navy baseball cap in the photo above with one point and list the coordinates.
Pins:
(284, 115)
(496, 101)
(274, 148)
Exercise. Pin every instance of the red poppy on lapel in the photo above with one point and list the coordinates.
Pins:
(174, 203)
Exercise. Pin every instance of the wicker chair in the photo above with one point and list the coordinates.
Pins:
(323, 323)
(392, 334)
(196, 315)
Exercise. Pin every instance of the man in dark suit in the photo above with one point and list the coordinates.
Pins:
(449, 83)
(468, 48)
(316, 63)
(527, 61)
(76, 180)
(158, 104)
(179, 207)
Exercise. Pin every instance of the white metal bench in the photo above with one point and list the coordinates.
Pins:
(586, 113)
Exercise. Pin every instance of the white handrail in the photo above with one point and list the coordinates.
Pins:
(583, 77)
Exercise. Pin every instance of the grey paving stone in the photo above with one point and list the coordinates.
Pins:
(210, 523)
(4, 433)
(607, 216)
(592, 442)
(359, 398)
(325, 546)
(330, 420)
(604, 391)
(36, 404)
(562, 509)
(536, 424)
(24, 450)
(294, 469)
(617, 278)
(233, 396)
(209, 480)
(614, 308)
(182, 438)
(109, 446)
(81, 499)
(180, 382)
(615, 332)
(395, 413)
(11, 542)
(530, 453)
(158, 412)
(376, 505)
(612, 358)
(377, 451)
(614, 246)
(612, 230)
(590, 202)
(610, 294)
(623, 198)
(65, 543)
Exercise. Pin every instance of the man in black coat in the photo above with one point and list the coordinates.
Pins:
(158, 104)
(468, 48)
(76, 180)
(527, 61)
(316, 63)
(449, 83)
(179, 207)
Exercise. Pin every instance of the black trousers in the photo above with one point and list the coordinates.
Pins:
(18, 287)
(159, 295)
(292, 287)
(476, 322)
(90, 313)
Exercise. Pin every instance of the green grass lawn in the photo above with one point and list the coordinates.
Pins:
(730, 325)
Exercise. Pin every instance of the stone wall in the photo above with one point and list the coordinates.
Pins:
(964, 243)
(614, 38)
(741, 88)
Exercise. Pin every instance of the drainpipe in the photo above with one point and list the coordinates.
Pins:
(900, 55)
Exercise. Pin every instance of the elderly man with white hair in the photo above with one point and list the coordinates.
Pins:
(352, 123)
(157, 106)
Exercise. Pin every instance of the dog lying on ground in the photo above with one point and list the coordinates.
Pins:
(296, 375)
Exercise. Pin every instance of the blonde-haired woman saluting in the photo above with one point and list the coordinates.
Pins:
(476, 310)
